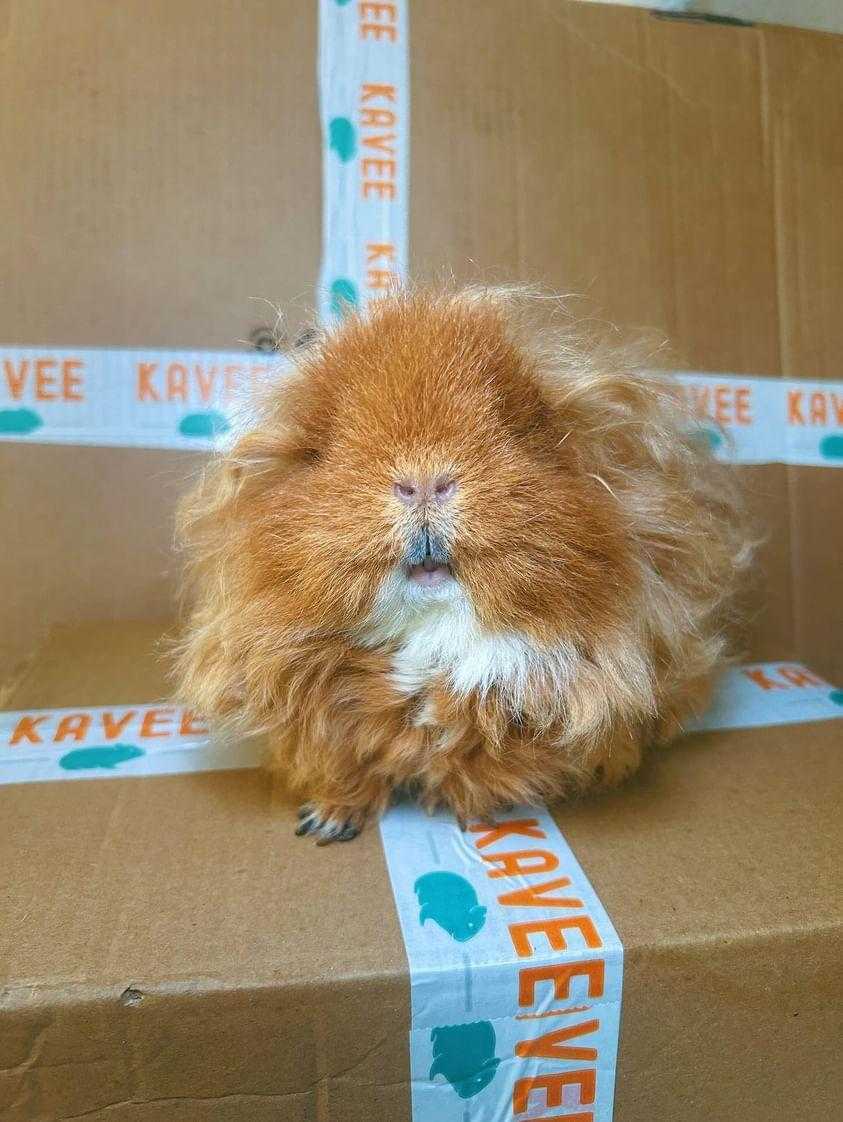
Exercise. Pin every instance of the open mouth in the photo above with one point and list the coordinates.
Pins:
(427, 562)
(429, 574)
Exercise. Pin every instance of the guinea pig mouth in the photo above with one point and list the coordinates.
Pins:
(429, 574)
(427, 562)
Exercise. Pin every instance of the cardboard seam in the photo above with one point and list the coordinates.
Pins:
(773, 146)
(25, 995)
(704, 940)
(22, 667)
(237, 1097)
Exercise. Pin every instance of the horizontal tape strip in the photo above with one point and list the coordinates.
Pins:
(770, 693)
(769, 420)
(127, 398)
(118, 740)
(162, 738)
(192, 399)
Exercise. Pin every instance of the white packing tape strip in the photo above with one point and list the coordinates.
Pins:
(189, 399)
(158, 739)
(364, 105)
(516, 971)
(127, 398)
(770, 693)
(114, 741)
(769, 420)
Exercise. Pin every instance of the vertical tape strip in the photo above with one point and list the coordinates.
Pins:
(516, 970)
(364, 106)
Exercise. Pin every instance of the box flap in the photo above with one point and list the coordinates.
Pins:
(181, 915)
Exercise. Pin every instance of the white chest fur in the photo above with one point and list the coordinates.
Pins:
(441, 637)
(447, 640)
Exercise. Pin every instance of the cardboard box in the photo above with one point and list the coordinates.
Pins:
(168, 950)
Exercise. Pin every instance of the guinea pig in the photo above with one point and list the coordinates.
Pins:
(463, 551)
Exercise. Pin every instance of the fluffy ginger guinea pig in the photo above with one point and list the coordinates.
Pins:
(463, 553)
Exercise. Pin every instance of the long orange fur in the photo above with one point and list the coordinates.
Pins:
(594, 552)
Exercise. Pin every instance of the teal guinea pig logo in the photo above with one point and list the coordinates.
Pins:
(106, 756)
(19, 422)
(342, 138)
(203, 425)
(836, 697)
(708, 437)
(465, 1056)
(344, 297)
(831, 447)
(451, 902)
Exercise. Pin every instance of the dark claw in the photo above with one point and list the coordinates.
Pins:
(346, 834)
(329, 836)
(311, 823)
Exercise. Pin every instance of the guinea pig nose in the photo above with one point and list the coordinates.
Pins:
(444, 490)
(414, 492)
(409, 492)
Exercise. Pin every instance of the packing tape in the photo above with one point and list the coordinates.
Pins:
(516, 971)
(162, 738)
(116, 741)
(127, 398)
(364, 107)
(195, 399)
(769, 693)
(768, 420)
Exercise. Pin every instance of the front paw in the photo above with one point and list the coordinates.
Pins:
(329, 824)
(615, 765)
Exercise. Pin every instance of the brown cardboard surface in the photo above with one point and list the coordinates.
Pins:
(168, 951)
(160, 155)
(590, 149)
(162, 186)
(172, 942)
(166, 165)
(805, 76)
(92, 533)
(193, 892)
